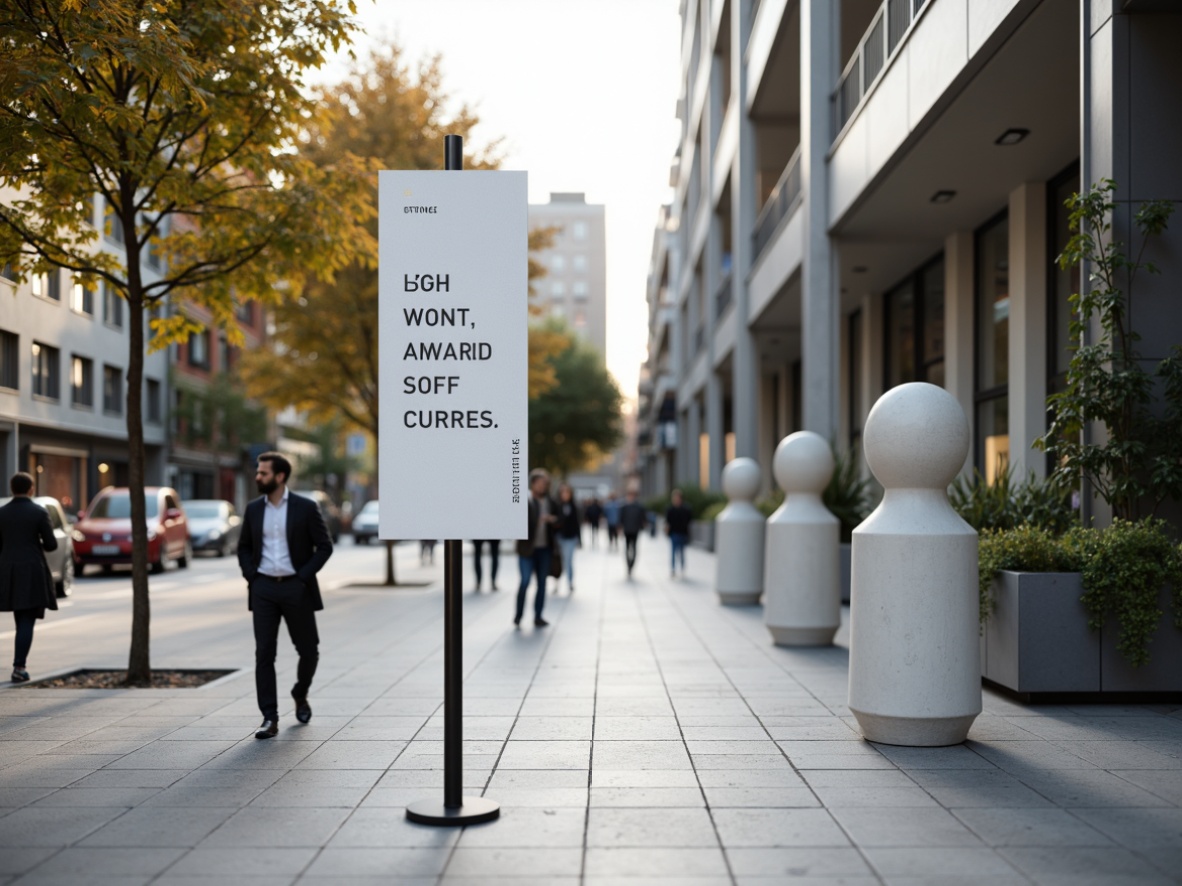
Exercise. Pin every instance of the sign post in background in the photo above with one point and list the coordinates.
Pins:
(453, 344)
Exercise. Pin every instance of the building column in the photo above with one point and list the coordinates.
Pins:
(820, 303)
(715, 430)
(693, 467)
(1028, 327)
(745, 380)
(958, 328)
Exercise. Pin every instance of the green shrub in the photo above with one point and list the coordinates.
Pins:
(1123, 567)
(770, 502)
(849, 495)
(712, 510)
(1005, 504)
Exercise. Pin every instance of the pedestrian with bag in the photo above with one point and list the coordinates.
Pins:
(26, 583)
(570, 534)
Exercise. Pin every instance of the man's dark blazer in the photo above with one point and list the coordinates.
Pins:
(525, 547)
(308, 541)
(25, 535)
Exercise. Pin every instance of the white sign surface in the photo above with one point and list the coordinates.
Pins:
(453, 293)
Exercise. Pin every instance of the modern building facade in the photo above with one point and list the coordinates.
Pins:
(63, 371)
(869, 193)
(575, 286)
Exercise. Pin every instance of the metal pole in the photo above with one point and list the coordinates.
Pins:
(456, 809)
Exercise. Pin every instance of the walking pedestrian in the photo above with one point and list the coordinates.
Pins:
(569, 532)
(284, 543)
(611, 513)
(536, 550)
(26, 584)
(593, 513)
(677, 524)
(494, 559)
(633, 520)
(426, 551)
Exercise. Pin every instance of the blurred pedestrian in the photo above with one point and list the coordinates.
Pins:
(633, 520)
(677, 524)
(26, 584)
(284, 543)
(611, 513)
(494, 559)
(426, 551)
(537, 549)
(570, 533)
(593, 514)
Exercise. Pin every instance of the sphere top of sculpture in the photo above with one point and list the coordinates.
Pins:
(740, 479)
(916, 437)
(803, 463)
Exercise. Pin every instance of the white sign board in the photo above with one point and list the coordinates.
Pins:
(453, 290)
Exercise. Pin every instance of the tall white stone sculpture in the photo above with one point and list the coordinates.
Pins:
(915, 673)
(801, 591)
(738, 536)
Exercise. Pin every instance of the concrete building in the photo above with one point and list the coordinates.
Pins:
(575, 286)
(63, 368)
(869, 193)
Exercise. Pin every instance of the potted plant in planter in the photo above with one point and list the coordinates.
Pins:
(1082, 612)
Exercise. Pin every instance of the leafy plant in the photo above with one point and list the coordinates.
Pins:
(1005, 504)
(849, 495)
(1136, 464)
(1123, 567)
(712, 510)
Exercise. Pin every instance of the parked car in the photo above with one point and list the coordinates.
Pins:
(365, 524)
(102, 535)
(214, 525)
(61, 561)
(329, 511)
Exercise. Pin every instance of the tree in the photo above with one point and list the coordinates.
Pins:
(324, 354)
(181, 119)
(579, 419)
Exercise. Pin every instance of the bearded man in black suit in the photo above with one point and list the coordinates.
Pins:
(284, 543)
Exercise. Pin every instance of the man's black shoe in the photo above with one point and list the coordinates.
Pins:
(540, 623)
(303, 709)
(269, 729)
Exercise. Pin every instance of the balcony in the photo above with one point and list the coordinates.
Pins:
(724, 295)
(874, 54)
(783, 197)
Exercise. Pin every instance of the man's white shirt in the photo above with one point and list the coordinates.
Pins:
(276, 558)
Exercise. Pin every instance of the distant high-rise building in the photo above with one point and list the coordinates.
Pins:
(575, 286)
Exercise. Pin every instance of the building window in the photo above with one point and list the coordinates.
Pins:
(580, 318)
(7, 272)
(48, 285)
(579, 230)
(579, 289)
(82, 299)
(245, 313)
(82, 382)
(46, 371)
(915, 327)
(9, 360)
(557, 262)
(112, 225)
(992, 444)
(579, 263)
(199, 349)
(112, 305)
(113, 390)
(558, 289)
(152, 396)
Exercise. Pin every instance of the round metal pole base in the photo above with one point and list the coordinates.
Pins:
(473, 811)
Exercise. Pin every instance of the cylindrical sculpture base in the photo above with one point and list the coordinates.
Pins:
(738, 598)
(473, 811)
(918, 732)
(802, 636)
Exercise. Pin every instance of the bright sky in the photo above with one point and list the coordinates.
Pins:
(583, 93)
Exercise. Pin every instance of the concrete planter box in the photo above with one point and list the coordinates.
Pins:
(1038, 641)
(702, 534)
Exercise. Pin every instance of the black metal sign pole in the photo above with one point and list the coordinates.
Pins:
(456, 809)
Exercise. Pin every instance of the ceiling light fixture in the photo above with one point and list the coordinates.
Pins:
(943, 196)
(1012, 136)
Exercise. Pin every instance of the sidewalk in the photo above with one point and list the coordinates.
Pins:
(648, 736)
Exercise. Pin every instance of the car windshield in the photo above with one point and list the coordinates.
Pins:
(203, 509)
(371, 507)
(117, 506)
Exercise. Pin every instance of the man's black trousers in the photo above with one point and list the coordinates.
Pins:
(273, 601)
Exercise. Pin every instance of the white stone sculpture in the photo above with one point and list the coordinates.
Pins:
(801, 589)
(738, 536)
(915, 672)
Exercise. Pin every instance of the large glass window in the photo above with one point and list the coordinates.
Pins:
(113, 390)
(112, 305)
(993, 347)
(82, 381)
(46, 371)
(9, 360)
(81, 299)
(915, 327)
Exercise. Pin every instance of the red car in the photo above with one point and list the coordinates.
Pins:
(102, 535)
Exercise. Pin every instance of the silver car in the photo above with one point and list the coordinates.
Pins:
(214, 525)
(365, 524)
(61, 561)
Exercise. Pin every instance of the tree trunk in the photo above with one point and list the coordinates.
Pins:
(390, 579)
(139, 668)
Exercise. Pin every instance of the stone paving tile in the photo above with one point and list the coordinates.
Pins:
(652, 827)
(761, 798)
(1167, 785)
(160, 826)
(241, 864)
(83, 796)
(569, 728)
(1030, 827)
(647, 797)
(1075, 788)
(674, 864)
(52, 826)
(640, 755)
(854, 797)
(796, 863)
(1079, 862)
(350, 865)
(1137, 828)
(777, 827)
(19, 859)
(919, 827)
(79, 861)
(11, 798)
(379, 828)
(893, 862)
(278, 827)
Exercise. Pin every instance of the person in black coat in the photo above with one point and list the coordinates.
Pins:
(569, 533)
(284, 543)
(535, 552)
(633, 520)
(677, 524)
(26, 584)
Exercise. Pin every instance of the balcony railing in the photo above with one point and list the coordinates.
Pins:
(722, 298)
(873, 55)
(782, 198)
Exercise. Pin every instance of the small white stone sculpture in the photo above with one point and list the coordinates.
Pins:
(801, 591)
(738, 536)
(915, 672)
